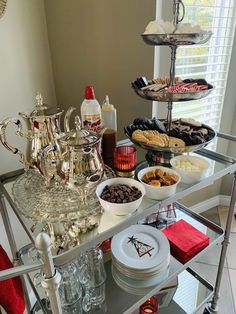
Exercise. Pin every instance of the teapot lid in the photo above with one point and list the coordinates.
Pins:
(42, 109)
(80, 137)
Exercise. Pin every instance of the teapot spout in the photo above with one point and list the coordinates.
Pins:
(24, 115)
(67, 119)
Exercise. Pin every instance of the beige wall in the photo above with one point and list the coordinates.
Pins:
(25, 66)
(25, 69)
(227, 181)
(228, 124)
(99, 43)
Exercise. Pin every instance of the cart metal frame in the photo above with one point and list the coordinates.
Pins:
(42, 242)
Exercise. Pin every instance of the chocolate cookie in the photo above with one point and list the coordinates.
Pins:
(203, 131)
(158, 125)
(190, 122)
(197, 140)
(140, 121)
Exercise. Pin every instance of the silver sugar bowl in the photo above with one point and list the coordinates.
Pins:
(80, 159)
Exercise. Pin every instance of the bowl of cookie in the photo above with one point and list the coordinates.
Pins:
(159, 182)
(120, 196)
(186, 135)
(191, 168)
(159, 89)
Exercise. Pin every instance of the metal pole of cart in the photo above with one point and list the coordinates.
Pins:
(213, 307)
(13, 247)
(51, 277)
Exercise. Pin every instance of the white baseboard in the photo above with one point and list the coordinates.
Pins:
(224, 200)
(217, 200)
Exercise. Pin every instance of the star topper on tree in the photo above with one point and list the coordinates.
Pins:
(141, 248)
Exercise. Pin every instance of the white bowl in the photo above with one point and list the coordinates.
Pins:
(120, 209)
(155, 192)
(190, 177)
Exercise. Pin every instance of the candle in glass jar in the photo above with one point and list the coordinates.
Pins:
(149, 307)
(125, 160)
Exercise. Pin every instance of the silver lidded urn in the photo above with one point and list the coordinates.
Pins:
(44, 129)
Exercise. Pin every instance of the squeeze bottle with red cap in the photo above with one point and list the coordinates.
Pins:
(91, 111)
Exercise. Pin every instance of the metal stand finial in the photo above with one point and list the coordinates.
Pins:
(51, 278)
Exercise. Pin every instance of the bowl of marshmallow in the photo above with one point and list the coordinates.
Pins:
(191, 168)
(161, 32)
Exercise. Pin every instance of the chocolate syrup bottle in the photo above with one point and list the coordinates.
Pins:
(110, 135)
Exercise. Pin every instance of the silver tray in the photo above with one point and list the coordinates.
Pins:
(177, 39)
(175, 97)
(177, 150)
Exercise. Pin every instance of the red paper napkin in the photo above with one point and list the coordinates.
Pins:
(185, 240)
(11, 290)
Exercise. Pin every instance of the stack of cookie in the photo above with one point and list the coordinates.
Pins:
(192, 132)
(184, 132)
(154, 84)
(163, 84)
(154, 138)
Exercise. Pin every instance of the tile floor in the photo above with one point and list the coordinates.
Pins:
(207, 265)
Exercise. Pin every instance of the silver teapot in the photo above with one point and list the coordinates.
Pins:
(80, 159)
(44, 129)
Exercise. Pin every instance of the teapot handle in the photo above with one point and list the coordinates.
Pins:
(49, 164)
(3, 139)
(67, 119)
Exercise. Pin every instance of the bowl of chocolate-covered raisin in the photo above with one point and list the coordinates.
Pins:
(120, 196)
(159, 182)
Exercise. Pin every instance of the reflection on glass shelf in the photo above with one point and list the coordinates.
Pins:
(119, 301)
(192, 293)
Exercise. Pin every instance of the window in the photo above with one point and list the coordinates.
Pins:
(210, 61)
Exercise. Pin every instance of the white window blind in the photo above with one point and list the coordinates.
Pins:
(209, 61)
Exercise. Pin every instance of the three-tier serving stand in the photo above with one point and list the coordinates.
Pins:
(174, 40)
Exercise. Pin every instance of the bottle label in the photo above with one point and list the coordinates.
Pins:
(92, 122)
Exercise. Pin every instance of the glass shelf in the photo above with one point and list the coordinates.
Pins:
(110, 224)
(131, 302)
(188, 280)
(193, 292)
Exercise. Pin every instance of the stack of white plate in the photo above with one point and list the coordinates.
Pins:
(140, 258)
